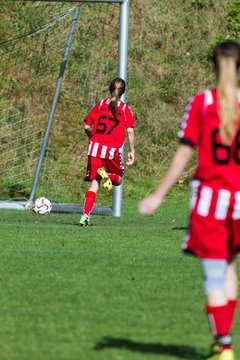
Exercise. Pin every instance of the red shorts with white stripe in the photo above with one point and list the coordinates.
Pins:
(214, 224)
(114, 166)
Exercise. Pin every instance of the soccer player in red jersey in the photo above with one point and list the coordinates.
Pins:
(105, 126)
(211, 125)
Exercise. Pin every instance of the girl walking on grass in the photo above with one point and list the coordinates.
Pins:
(211, 125)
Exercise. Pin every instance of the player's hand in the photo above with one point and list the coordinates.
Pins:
(149, 205)
(130, 158)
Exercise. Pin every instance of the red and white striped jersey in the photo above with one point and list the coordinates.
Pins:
(214, 223)
(218, 165)
(107, 135)
(219, 204)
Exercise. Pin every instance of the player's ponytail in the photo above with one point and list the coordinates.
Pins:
(117, 89)
(227, 62)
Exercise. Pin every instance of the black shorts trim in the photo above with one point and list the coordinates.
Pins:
(187, 142)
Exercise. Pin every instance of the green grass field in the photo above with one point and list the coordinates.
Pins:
(119, 290)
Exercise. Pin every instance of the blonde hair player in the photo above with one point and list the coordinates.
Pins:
(211, 126)
(105, 126)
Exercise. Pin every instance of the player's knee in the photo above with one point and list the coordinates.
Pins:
(94, 186)
(120, 180)
(214, 272)
(117, 180)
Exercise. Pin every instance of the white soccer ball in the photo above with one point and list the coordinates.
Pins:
(42, 206)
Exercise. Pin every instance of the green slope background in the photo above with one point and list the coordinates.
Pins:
(169, 47)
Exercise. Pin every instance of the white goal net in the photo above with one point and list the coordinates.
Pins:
(33, 38)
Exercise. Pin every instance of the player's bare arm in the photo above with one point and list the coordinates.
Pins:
(131, 142)
(87, 129)
(151, 203)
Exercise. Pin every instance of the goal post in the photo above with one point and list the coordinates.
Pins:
(122, 72)
(116, 208)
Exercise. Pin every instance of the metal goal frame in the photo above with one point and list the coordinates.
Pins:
(116, 209)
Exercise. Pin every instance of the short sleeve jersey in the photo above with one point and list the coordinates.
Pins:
(218, 165)
(106, 129)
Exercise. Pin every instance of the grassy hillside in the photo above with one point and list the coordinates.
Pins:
(169, 45)
(167, 64)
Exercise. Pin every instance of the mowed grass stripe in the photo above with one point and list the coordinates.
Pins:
(120, 289)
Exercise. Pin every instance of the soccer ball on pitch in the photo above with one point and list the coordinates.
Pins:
(42, 206)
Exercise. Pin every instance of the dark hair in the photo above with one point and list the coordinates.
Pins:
(226, 60)
(228, 48)
(117, 89)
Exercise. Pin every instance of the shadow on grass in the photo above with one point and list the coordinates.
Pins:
(179, 351)
(180, 228)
